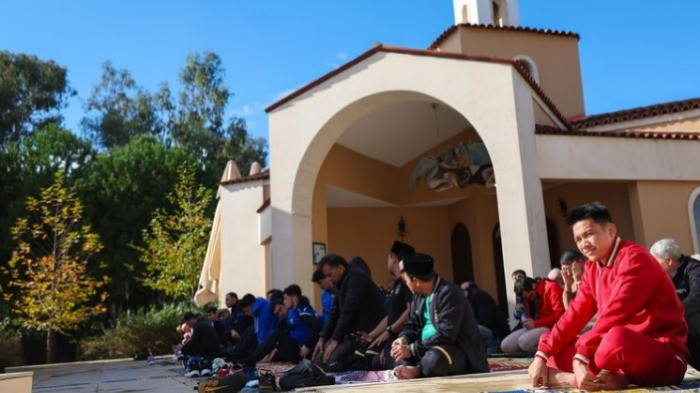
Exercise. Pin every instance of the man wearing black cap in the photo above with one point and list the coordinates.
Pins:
(441, 335)
(397, 312)
(359, 307)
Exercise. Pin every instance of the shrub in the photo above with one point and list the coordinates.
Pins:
(10, 345)
(152, 332)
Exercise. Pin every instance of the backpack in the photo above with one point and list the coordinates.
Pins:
(305, 374)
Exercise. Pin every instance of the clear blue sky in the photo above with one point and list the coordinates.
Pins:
(633, 52)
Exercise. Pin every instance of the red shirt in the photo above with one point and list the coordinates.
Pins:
(632, 290)
(552, 306)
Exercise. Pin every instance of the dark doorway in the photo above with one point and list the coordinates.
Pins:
(462, 264)
(553, 241)
(500, 270)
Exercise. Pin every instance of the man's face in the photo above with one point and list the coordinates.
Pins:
(248, 310)
(231, 301)
(392, 264)
(224, 315)
(325, 283)
(516, 276)
(575, 268)
(211, 316)
(288, 301)
(594, 240)
(666, 263)
(334, 274)
(280, 311)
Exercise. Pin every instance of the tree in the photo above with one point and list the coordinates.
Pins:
(121, 109)
(176, 242)
(31, 93)
(50, 265)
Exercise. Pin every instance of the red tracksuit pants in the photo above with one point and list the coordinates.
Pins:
(643, 360)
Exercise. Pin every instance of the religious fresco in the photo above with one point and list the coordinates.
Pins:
(457, 166)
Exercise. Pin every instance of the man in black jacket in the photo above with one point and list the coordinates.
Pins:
(491, 321)
(685, 274)
(359, 307)
(441, 336)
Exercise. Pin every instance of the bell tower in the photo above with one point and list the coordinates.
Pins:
(487, 12)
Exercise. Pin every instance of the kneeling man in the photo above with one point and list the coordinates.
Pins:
(639, 336)
(441, 335)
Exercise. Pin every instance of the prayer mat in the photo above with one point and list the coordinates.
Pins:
(509, 364)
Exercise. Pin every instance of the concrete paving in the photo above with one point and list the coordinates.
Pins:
(123, 375)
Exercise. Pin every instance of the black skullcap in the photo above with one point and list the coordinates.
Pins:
(402, 249)
(189, 315)
(418, 264)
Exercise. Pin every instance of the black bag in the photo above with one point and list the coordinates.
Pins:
(305, 374)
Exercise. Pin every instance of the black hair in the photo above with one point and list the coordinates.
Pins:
(518, 271)
(274, 303)
(247, 300)
(318, 276)
(293, 290)
(594, 210)
(423, 277)
(333, 260)
(212, 309)
(570, 257)
(360, 264)
(523, 284)
(275, 294)
(232, 294)
(304, 300)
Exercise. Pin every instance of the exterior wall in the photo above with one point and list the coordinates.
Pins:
(562, 157)
(556, 58)
(243, 261)
(661, 209)
(369, 233)
(688, 121)
(616, 196)
(683, 125)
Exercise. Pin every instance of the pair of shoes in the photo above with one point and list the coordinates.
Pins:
(231, 384)
(205, 372)
(192, 373)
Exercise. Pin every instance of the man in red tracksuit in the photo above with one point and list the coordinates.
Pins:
(639, 335)
(544, 306)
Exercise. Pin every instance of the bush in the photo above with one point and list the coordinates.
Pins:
(138, 335)
(10, 345)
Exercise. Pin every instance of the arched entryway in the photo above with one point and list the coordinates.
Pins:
(500, 270)
(462, 263)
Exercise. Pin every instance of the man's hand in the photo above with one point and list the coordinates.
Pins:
(380, 340)
(332, 346)
(519, 307)
(319, 348)
(400, 349)
(235, 335)
(568, 275)
(538, 372)
(529, 324)
(304, 352)
(583, 379)
(365, 337)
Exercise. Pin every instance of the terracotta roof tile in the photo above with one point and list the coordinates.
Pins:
(417, 52)
(453, 28)
(637, 113)
(260, 176)
(549, 130)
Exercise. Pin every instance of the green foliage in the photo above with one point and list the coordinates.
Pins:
(122, 189)
(31, 91)
(176, 242)
(121, 109)
(49, 267)
(10, 344)
(144, 333)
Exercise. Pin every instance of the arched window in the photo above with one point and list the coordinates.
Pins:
(694, 213)
(529, 65)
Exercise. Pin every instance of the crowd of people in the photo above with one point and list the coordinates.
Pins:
(613, 314)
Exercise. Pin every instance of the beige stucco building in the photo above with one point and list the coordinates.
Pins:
(479, 144)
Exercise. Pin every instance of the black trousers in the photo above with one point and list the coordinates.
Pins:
(693, 343)
(243, 347)
(440, 360)
(343, 358)
(389, 362)
(287, 348)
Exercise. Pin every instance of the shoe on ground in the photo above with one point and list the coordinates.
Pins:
(192, 373)
(205, 372)
(231, 384)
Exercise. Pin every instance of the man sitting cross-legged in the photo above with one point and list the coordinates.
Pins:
(297, 334)
(639, 336)
(441, 336)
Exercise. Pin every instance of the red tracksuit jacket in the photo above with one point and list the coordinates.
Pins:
(632, 290)
(552, 306)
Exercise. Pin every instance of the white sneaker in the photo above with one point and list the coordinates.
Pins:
(192, 373)
(390, 375)
(205, 372)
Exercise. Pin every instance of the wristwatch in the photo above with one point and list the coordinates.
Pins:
(388, 330)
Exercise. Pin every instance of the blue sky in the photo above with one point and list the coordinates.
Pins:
(633, 52)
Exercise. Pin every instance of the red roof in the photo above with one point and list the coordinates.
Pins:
(637, 113)
(549, 130)
(417, 52)
(453, 28)
(260, 176)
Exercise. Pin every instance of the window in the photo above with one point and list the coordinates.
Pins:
(694, 213)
